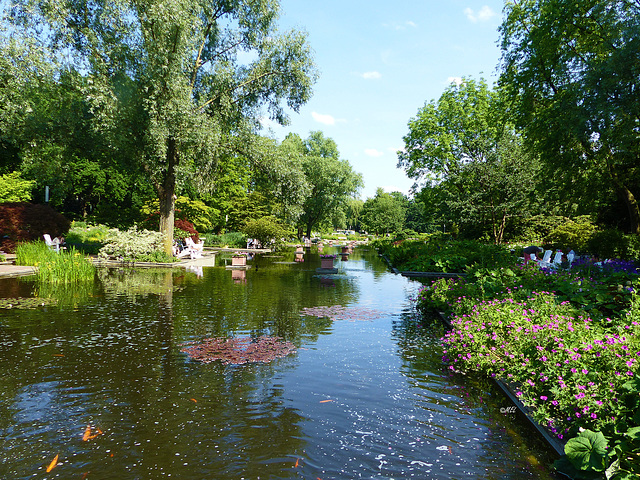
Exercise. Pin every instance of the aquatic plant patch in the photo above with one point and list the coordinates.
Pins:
(338, 312)
(25, 302)
(67, 266)
(239, 350)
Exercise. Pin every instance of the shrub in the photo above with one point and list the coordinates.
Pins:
(13, 188)
(132, 245)
(572, 235)
(25, 222)
(183, 229)
(267, 230)
(609, 243)
(231, 239)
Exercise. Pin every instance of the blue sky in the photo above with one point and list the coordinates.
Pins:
(379, 62)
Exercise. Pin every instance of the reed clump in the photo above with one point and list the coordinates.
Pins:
(67, 266)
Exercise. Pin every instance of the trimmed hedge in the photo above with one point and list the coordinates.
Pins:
(25, 222)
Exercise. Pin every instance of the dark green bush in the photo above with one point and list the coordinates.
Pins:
(268, 231)
(572, 235)
(609, 243)
(230, 239)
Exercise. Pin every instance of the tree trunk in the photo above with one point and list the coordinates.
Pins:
(632, 206)
(166, 195)
(629, 199)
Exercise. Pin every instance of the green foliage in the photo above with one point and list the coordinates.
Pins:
(173, 94)
(87, 238)
(132, 245)
(535, 229)
(384, 213)
(587, 451)
(441, 253)
(268, 231)
(13, 188)
(332, 181)
(67, 266)
(572, 235)
(563, 63)
(230, 239)
(32, 253)
(471, 159)
(194, 211)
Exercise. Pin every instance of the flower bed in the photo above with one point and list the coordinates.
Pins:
(568, 343)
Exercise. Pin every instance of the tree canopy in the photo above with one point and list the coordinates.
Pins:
(573, 72)
(332, 180)
(177, 85)
(384, 213)
(471, 158)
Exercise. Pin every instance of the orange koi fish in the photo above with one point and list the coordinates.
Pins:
(87, 433)
(53, 464)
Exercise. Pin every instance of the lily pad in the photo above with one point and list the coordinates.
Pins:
(26, 302)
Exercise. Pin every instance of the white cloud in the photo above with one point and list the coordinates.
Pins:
(324, 119)
(484, 14)
(372, 152)
(371, 75)
(456, 80)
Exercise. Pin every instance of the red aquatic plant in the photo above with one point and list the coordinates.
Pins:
(239, 350)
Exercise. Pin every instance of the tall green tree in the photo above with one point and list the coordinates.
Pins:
(176, 83)
(332, 181)
(384, 213)
(573, 71)
(464, 145)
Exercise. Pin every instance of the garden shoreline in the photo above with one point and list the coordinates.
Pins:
(554, 443)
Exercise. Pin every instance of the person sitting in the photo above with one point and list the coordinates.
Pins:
(528, 251)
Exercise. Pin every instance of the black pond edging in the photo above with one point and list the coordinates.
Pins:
(551, 439)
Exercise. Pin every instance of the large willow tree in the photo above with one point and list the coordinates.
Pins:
(175, 83)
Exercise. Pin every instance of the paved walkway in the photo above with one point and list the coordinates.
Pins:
(8, 269)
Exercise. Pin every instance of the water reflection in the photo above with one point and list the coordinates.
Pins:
(362, 398)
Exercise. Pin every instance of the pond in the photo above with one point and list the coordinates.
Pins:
(365, 395)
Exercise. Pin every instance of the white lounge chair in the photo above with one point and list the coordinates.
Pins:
(557, 259)
(54, 244)
(195, 249)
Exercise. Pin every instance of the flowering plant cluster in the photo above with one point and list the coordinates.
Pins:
(568, 367)
(567, 343)
(131, 245)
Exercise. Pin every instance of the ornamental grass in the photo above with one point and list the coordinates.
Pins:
(67, 266)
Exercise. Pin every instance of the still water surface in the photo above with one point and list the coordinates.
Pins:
(365, 397)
